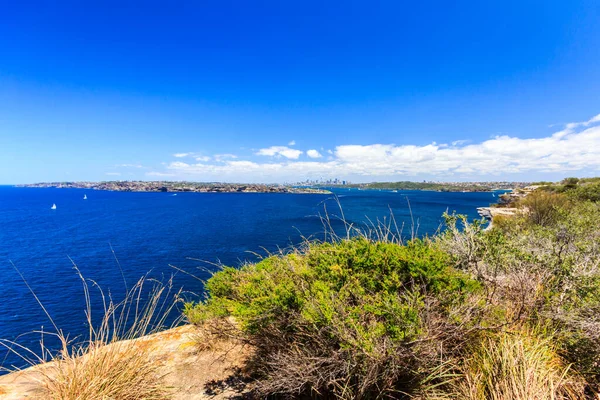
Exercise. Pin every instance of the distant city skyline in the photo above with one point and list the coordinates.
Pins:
(278, 92)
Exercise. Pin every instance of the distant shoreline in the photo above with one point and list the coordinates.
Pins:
(175, 187)
(316, 188)
(441, 187)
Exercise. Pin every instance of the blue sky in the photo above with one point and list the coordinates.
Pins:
(274, 91)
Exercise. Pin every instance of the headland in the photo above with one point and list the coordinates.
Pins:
(168, 186)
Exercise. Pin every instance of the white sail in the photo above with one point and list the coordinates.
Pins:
(53, 207)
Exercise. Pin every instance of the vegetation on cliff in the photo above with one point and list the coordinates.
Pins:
(577, 188)
(511, 312)
(442, 187)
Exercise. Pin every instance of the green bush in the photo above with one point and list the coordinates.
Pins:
(569, 183)
(579, 189)
(355, 318)
(543, 207)
(587, 191)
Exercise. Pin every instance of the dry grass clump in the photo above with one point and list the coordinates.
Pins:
(519, 365)
(117, 371)
(111, 363)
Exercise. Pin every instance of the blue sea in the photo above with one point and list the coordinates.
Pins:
(149, 233)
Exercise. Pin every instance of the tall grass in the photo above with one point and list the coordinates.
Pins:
(386, 229)
(112, 361)
(522, 365)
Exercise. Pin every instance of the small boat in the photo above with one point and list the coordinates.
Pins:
(53, 207)
(85, 196)
(394, 191)
(174, 194)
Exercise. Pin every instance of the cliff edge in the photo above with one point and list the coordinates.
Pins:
(188, 368)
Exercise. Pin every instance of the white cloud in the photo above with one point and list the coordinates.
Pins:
(279, 151)
(594, 119)
(113, 173)
(575, 148)
(129, 166)
(460, 142)
(221, 157)
(197, 156)
(312, 153)
(292, 143)
(571, 126)
(249, 170)
(159, 174)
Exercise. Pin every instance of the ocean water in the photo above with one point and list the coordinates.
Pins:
(151, 232)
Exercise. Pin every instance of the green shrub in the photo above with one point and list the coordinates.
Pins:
(543, 207)
(579, 189)
(587, 191)
(355, 318)
(569, 183)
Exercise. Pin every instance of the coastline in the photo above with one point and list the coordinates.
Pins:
(505, 206)
(466, 187)
(175, 187)
(220, 187)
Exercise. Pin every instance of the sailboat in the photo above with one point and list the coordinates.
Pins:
(85, 196)
(53, 207)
